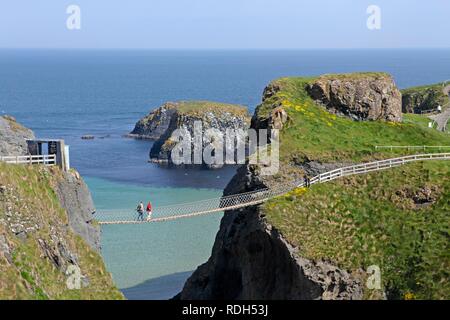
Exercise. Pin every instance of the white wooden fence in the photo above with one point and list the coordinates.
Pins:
(377, 166)
(47, 160)
(413, 147)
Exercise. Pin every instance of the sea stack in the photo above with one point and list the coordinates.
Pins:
(160, 125)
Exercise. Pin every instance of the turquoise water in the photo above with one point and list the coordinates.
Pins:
(136, 253)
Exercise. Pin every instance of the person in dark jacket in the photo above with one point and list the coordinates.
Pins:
(140, 210)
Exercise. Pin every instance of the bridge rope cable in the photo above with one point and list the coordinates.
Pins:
(246, 199)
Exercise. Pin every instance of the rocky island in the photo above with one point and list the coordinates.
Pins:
(48, 235)
(320, 243)
(160, 124)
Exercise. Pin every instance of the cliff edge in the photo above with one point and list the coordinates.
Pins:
(13, 137)
(49, 241)
(320, 243)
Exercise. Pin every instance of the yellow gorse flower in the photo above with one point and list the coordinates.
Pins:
(409, 296)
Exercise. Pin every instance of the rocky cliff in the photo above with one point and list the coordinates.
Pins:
(155, 124)
(160, 124)
(13, 136)
(424, 98)
(75, 197)
(48, 237)
(73, 194)
(41, 257)
(252, 260)
(364, 96)
(309, 244)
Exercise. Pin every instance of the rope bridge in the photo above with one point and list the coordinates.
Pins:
(242, 200)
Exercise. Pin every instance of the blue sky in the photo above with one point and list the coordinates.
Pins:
(224, 24)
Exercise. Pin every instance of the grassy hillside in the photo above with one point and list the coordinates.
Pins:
(417, 119)
(437, 87)
(376, 219)
(37, 246)
(315, 134)
(396, 219)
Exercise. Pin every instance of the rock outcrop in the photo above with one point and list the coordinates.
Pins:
(424, 99)
(155, 124)
(160, 125)
(361, 96)
(76, 199)
(13, 137)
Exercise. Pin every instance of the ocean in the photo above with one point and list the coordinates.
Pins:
(69, 93)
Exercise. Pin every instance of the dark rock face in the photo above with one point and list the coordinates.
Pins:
(251, 260)
(362, 97)
(154, 125)
(13, 137)
(425, 100)
(76, 199)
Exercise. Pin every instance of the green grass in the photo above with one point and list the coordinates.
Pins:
(435, 87)
(356, 75)
(419, 120)
(366, 220)
(31, 275)
(315, 134)
(416, 119)
(202, 107)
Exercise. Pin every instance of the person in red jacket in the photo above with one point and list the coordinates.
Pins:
(149, 211)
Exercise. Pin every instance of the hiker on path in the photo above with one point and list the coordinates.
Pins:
(149, 211)
(140, 210)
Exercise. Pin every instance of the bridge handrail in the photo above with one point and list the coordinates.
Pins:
(236, 201)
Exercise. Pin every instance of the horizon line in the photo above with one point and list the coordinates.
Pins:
(225, 49)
